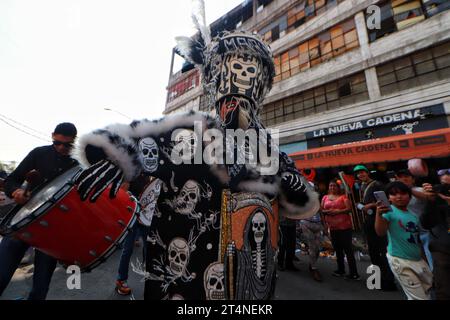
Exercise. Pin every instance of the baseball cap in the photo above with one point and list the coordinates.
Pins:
(360, 167)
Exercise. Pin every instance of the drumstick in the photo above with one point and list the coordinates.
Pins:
(32, 178)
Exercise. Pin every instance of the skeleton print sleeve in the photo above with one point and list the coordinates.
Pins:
(114, 144)
(132, 148)
(297, 199)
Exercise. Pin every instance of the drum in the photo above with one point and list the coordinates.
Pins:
(74, 232)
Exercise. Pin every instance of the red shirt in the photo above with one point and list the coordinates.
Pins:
(341, 221)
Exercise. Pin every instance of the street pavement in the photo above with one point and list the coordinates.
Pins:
(99, 284)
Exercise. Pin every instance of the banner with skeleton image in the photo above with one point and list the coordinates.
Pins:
(254, 233)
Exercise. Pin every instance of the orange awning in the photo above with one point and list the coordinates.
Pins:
(429, 144)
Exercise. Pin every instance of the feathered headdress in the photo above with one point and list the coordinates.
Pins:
(208, 53)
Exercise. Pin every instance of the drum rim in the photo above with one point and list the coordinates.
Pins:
(6, 229)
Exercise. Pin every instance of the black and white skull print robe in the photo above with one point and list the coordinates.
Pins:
(207, 240)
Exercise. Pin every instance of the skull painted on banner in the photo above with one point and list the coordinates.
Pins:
(259, 226)
(188, 198)
(179, 252)
(150, 154)
(214, 282)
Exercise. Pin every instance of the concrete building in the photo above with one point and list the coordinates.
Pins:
(354, 82)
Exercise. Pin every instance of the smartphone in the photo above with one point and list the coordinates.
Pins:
(381, 196)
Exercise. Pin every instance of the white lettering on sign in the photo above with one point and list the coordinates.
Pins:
(378, 121)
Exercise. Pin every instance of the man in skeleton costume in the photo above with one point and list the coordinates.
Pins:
(214, 234)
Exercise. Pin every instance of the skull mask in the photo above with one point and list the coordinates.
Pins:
(150, 154)
(240, 75)
(188, 198)
(185, 143)
(214, 282)
(178, 256)
(259, 226)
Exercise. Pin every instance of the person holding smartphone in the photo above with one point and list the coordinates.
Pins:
(376, 244)
(404, 251)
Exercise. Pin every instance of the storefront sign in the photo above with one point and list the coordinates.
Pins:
(408, 122)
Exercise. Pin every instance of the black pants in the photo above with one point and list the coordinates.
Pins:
(377, 251)
(11, 253)
(342, 243)
(287, 246)
(441, 274)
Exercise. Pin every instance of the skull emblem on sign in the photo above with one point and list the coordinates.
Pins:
(259, 226)
(178, 251)
(214, 282)
(188, 198)
(150, 154)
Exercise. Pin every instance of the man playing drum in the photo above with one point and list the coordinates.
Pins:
(49, 162)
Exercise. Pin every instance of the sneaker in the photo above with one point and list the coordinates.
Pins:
(315, 274)
(338, 273)
(355, 277)
(122, 288)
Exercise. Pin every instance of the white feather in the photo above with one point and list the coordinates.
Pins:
(184, 45)
(199, 19)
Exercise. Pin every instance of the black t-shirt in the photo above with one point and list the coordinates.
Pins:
(46, 160)
(367, 191)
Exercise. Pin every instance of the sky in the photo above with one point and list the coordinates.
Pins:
(68, 60)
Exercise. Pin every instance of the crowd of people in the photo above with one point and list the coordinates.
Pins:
(407, 235)
(212, 228)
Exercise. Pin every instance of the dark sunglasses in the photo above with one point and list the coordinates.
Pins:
(65, 144)
(443, 171)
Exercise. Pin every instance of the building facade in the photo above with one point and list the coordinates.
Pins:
(353, 78)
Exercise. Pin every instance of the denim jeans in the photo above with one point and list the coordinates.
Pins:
(425, 238)
(138, 230)
(11, 253)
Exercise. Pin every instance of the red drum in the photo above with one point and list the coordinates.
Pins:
(75, 232)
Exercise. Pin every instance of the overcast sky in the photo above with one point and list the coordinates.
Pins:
(67, 60)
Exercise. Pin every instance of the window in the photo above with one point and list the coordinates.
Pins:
(387, 23)
(407, 13)
(328, 44)
(433, 7)
(420, 68)
(296, 16)
(330, 96)
(399, 14)
(188, 83)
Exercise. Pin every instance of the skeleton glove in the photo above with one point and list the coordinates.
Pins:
(293, 182)
(97, 178)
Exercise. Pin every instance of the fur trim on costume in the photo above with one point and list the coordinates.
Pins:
(266, 185)
(145, 128)
(116, 143)
(295, 211)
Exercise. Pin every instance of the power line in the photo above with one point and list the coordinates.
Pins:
(23, 125)
(23, 131)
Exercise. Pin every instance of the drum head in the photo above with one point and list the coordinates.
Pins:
(49, 194)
